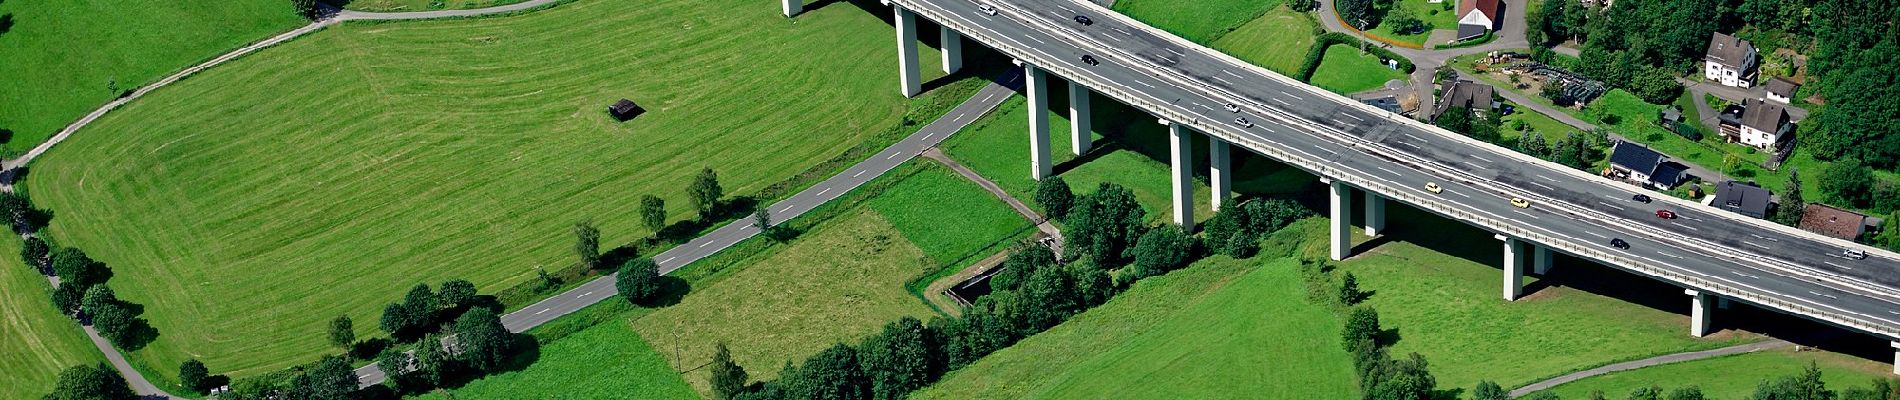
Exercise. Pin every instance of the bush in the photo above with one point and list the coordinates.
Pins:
(1318, 53)
(1054, 196)
(1689, 132)
(1160, 250)
(638, 280)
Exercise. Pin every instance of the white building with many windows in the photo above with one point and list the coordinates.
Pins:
(1731, 61)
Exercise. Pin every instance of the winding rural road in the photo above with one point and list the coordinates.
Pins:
(1647, 362)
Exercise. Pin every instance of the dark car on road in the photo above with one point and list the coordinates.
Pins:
(1090, 60)
(1640, 198)
(1084, 20)
(1619, 243)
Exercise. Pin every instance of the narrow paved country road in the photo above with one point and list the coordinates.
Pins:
(602, 288)
(144, 387)
(1647, 362)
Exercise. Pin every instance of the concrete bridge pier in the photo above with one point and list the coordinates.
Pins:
(907, 72)
(952, 45)
(1513, 267)
(1896, 356)
(1080, 124)
(1220, 174)
(1180, 143)
(793, 7)
(1037, 84)
(1375, 214)
(1698, 312)
(1341, 234)
(1544, 259)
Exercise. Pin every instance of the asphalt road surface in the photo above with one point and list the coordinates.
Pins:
(1578, 213)
(719, 239)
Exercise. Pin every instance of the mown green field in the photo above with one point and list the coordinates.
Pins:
(1201, 21)
(419, 5)
(948, 217)
(66, 58)
(36, 342)
(606, 361)
(1732, 377)
(246, 206)
(1278, 40)
(1345, 70)
(1438, 283)
(1221, 328)
(1438, 16)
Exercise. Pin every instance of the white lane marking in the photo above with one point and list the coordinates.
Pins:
(1293, 96)
(894, 155)
(1172, 50)
(1224, 80)
(1822, 295)
(1071, 11)
(1595, 234)
(1124, 32)
(1670, 255)
(1757, 245)
(1338, 121)
(1036, 39)
(1529, 214)
(1542, 186)
(1389, 171)
(1282, 102)
(704, 244)
(1764, 237)
(1144, 84)
(668, 259)
(1685, 226)
(860, 173)
(987, 99)
(1232, 73)
(1460, 194)
(543, 311)
(1330, 153)
(1115, 38)
(1409, 136)
(1347, 115)
(822, 192)
(1488, 160)
(589, 293)
(1205, 106)
(1836, 265)
(1547, 178)
(1619, 208)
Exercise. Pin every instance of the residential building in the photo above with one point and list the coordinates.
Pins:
(1639, 165)
(1742, 198)
(1731, 61)
(1475, 17)
(1764, 125)
(1781, 90)
(1835, 222)
(1467, 94)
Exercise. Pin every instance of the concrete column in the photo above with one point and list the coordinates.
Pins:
(1179, 144)
(907, 52)
(1896, 356)
(793, 7)
(1342, 219)
(1037, 84)
(1375, 213)
(1698, 313)
(1080, 124)
(1220, 171)
(952, 44)
(1544, 259)
(1513, 268)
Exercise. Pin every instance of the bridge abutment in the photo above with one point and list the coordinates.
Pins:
(952, 46)
(1698, 313)
(1180, 143)
(1080, 122)
(1513, 267)
(1036, 84)
(907, 73)
(1340, 232)
(1220, 171)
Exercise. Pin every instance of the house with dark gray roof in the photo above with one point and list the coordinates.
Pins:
(1742, 198)
(1639, 165)
(1467, 94)
(1731, 61)
(1782, 90)
(1764, 125)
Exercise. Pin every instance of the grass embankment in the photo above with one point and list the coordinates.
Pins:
(36, 342)
(1199, 21)
(1221, 328)
(1346, 70)
(1732, 377)
(246, 206)
(66, 58)
(1278, 40)
(605, 361)
(420, 5)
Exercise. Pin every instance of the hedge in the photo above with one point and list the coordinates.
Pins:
(1318, 52)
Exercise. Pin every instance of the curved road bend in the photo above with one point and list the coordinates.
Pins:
(602, 288)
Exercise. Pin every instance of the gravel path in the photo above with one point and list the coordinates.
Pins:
(1647, 362)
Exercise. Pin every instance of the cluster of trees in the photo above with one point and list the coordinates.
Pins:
(91, 382)
(422, 310)
(905, 356)
(1481, 125)
(1854, 52)
(638, 280)
(1639, 45)
(1577, 150)
(1236, 230)
(1364, 14)
(476, 344)
(1806, 385)
(1105, 224)
(1380, 376)
(83, 294)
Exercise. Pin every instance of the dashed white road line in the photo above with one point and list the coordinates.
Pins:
(860, 173)
(1836, 265)
(1599, 236)
(1124, 32)
(1619, 208)
(1139, 82)
(1822, 295)
(1349, 115)
(543, 311)
(1224, 80)
(822, 192)
(1232, 73)
(893, 155)
(1547, 178)
(1282, 102)
(1756, 245)
(668, 259)
(1685, 226)
(1486, 160)
(589, 293)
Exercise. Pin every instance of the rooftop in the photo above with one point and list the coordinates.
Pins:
(1742, 198)
(1728, 50)
(1763, 116)
(1822, 219)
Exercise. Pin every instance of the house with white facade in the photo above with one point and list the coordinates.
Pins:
(1731, 61)
(1764, 124)
(1475, 17)
(1782, 90)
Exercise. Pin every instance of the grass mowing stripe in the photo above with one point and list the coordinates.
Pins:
(36, 342)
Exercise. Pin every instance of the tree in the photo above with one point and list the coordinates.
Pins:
(1806, 386)
(653, 212)
(1656, 85)
(1054, 196)
(193, 375)
(1847, 181)
(97, 299)
(1092, 285)
(1358, 13)
(1881, 389)
(1404, 23)
(1160, 250)
(1349, 293)
(308, 9)
(398, 366)
(1788, 212)
(900, 359)
(728, 378)
(1047, 297)
(1241, 245)
(67, 297)
(34, 252)
(1362, 328)
(1406, 379)
(1686, 393)
(396, 320)
(91, 382)
(1532, 143)
(342, 332)
(705, 192)
(1103, 224)
(456, 293)
(1652, 392)
(330, 379)
(75, 268)
(763, 219)
(1488, 390)
(1022, 260)
(1553, 90)
(420, 301)
(832, 374)
(1302, 5)
(638, 280)
(1455, 119)
(117, 324)
(587, 244)
(483, 340)
(433, 363)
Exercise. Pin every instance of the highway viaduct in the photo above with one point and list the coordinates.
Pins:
(1722, 257)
